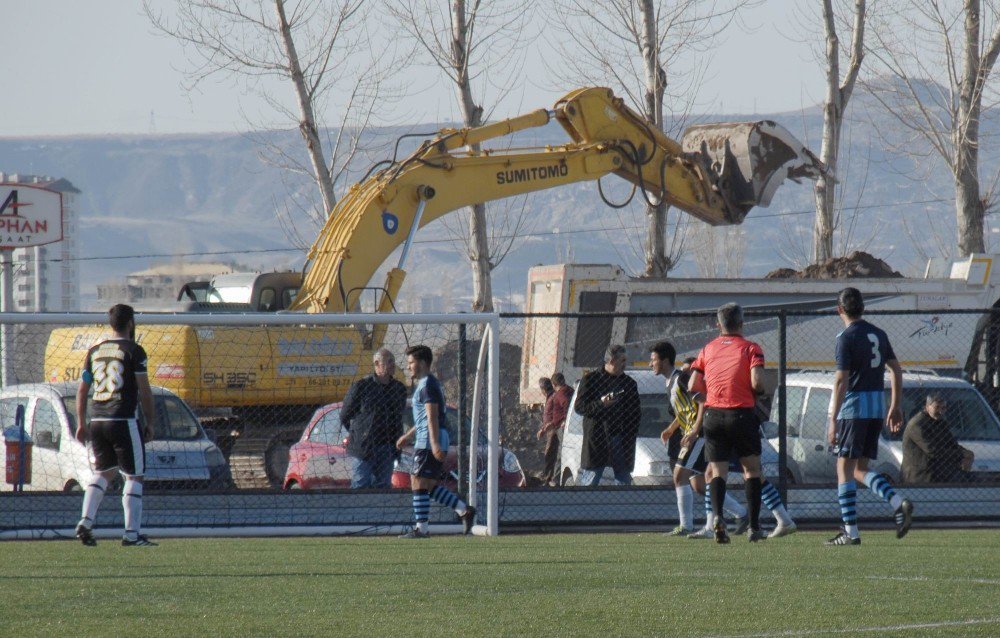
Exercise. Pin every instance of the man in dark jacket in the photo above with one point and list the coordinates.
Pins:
(608, 401)
(930, 452)
(373, 413)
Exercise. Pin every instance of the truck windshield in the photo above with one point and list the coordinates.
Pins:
(968, 416)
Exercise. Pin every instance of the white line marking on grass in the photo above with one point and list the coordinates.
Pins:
(859, 630)
(913, 579)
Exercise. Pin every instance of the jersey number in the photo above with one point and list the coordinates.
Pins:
(108, 377)
(876, 352)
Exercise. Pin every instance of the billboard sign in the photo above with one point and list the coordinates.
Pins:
(29, 216)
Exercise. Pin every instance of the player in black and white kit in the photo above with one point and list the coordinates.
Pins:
(116, 369)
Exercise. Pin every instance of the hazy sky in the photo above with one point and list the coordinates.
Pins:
(93, 67)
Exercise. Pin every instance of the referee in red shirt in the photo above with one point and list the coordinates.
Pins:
(729, 372)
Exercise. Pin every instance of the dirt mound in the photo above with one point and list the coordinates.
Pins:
(857, 264)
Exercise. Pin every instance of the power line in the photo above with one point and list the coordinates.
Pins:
(439, 241)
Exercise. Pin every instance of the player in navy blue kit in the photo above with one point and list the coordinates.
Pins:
(863, 354)
(116, 369)
(430, 446)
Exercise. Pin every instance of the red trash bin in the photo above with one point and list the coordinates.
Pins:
(13, 453)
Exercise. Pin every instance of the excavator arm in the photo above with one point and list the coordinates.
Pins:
(718, 180)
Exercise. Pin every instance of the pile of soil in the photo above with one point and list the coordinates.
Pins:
(856, 265)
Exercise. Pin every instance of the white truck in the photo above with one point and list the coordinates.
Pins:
(950, 344)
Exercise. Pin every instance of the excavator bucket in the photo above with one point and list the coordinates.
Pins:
(749, 161)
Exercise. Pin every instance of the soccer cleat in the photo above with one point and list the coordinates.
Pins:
(140, 541)
(85, 536)
(904, 517)
(843, 539)
(415, 533)
(704, 532)
(783, 530)
(742, 525)
(721, 535)
(754, 535)
(680, 530)
(468, 519)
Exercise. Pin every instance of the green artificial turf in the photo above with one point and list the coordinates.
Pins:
(635, 584)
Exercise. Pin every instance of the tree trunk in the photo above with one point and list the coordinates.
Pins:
(658, 264)
(969, 209)
(307, 122)
(472, 114)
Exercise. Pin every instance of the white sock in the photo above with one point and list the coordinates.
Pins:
(734, 507)
(781, 515)
(461, 508)
(852, 531)
(92, 499)
(685, 505)
(132, 504)
(422, 527)
(709, 519)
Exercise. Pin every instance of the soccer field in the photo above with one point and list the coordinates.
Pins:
(933, 583)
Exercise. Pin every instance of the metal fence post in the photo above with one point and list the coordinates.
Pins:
(462, 389)
(782, 406)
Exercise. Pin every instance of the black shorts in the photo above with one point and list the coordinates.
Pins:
(694, 458)
(118, 444)
(426, 466)
(731, 431)
(858, 438)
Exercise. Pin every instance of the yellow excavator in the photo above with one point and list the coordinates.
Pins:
(718, 172)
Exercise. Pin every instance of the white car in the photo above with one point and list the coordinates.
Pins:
(810, 398)
(180, 454)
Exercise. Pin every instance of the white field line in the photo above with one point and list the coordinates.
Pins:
(860, 630)
(915, 579)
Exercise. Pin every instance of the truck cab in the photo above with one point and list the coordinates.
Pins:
(242, 292)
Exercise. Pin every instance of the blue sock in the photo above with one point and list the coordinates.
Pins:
(848, 496)
(769, 494)
(448, 498)
(880, 487)
(421, 508)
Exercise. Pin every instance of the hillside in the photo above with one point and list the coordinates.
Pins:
(192, 195)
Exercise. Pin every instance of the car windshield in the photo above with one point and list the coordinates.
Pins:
(968, 416)
(174, 421)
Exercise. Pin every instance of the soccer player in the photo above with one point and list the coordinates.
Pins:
(863, 354)
(117, 370)
(430, 447)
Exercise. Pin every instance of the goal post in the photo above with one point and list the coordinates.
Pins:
(283, 370)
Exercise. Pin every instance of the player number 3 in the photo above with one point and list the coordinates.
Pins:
(876, 352)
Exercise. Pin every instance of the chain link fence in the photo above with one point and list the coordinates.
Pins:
(249, 430)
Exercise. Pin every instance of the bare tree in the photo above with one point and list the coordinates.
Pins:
(939, 59)
(838, 94)
(720, 252)
(478, 46)
(321, 48)
(653, 52)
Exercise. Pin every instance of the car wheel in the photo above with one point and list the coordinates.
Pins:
(276, 460)
(567, 479)
(294, 485)
(72, 486)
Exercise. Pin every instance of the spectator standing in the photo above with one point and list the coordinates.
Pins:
(116, 368)
(729, 370)
(863, 353)
(553, 422)
(373, 414)
(608, 400)
(931, 454)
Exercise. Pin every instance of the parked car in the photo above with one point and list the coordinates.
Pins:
(179, 456)
(320, 459)
(809, 398)
(652, 461)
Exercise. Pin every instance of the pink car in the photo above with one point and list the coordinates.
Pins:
(320, 460)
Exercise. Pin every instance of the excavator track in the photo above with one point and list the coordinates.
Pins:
(259, 456)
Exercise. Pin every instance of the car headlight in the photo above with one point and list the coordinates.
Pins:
(510, 463)
(214, 458)
(659, 468)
